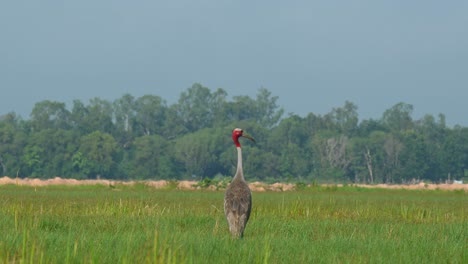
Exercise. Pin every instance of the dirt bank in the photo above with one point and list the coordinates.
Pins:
(190, 185)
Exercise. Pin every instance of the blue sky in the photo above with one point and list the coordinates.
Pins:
(313, 55)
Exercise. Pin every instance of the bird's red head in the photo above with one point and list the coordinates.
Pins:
(237, 133)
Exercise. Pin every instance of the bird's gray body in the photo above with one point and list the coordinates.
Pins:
(237, 206)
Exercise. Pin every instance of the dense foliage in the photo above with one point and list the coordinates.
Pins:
(145, 138)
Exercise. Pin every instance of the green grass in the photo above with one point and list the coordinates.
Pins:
(139, 224)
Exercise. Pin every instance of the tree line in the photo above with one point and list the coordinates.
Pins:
(145, 138)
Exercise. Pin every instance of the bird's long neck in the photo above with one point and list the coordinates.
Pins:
(239, 172)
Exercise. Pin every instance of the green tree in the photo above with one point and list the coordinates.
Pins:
(81, 165)
(174, 126)
(398, 117)
(344, 119)
(50, 115)
(192, 151)
(392, 162)
(290, 141)
(79, 115)
(100, 115)
(33, 161)
(152, 159)
(291, 130)
(294, 162)
(101, 152)
(194, 108)
(413, 159)
(376, 156)
(198, 152)
(455, 154)
(333, 157)
(218, 107)
(97, 116)
(267, 111)
(150, 115)
(434, 134)
(263, 110)
(241, 108)
(369, 126)
(124, 119)
(362, 160)
(57, 146)
(12, 141)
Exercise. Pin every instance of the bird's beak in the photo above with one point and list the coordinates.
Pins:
(248, 136)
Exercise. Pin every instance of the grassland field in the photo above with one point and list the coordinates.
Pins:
(141, 224)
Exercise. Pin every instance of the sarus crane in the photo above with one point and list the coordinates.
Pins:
(238, 199)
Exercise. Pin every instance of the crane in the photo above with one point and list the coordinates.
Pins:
(238, 199)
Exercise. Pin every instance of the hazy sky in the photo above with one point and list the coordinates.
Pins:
(314, 55)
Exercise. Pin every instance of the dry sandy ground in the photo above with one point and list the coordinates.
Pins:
(189, 185)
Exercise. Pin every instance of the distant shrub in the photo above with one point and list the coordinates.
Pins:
(218, 182)
(205, 183)
(300, 186)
